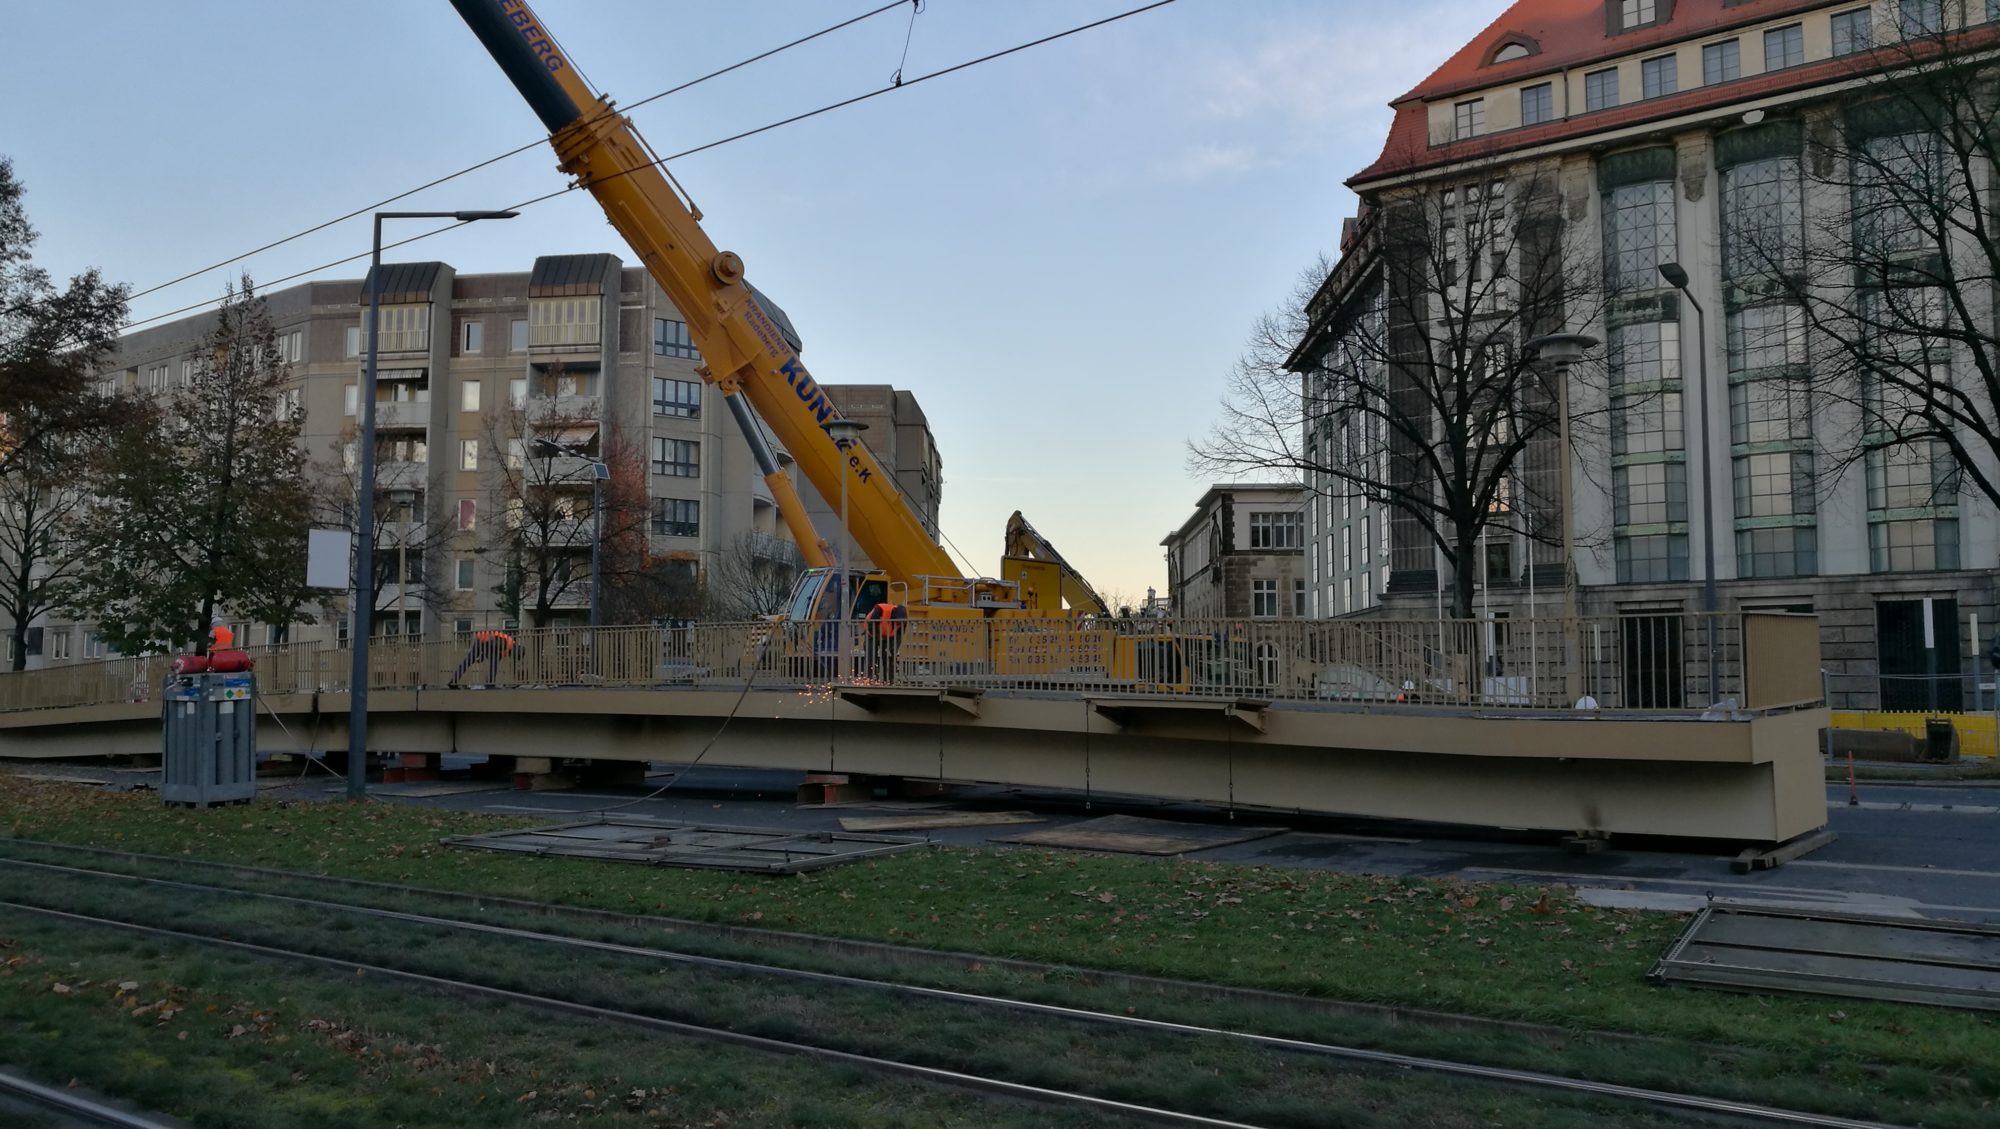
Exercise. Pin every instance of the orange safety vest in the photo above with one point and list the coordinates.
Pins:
(884, 615)
(221, 638)
(505, 640)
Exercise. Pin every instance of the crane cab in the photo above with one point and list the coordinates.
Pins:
(817, 595)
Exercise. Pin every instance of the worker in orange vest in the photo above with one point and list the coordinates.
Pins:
(220, 637)
(884, 625)
(489, 645)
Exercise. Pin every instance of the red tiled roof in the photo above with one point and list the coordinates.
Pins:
(1571, 33)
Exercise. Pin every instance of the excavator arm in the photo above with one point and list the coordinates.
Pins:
(1024, 544)
(747, 344)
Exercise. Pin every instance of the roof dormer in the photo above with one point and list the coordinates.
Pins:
(1621, 16)
(1510, 47)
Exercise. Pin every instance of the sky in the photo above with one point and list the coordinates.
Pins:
(1059, 252)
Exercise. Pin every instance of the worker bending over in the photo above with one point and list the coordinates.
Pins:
(489, 645)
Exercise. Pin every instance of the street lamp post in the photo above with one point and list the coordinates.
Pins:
(363, 592)
(1563, 350)
(1678, 279)
(844, 432)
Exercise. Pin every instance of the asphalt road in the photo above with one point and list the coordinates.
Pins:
(1931, 851)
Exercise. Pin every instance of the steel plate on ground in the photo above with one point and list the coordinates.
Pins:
(1784, 949)
(765, 850)
(930, 821)
(1136, 835)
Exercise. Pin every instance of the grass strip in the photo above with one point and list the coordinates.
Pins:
(1526, 953)
(1816, 1084)
(1219, 1077)
(235, 1044)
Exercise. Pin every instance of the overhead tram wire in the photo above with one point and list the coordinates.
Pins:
(535, 144)
(705, 147)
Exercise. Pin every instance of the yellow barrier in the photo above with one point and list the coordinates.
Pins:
(1977, 734)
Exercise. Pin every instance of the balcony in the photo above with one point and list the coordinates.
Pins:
(402, 475)
(770, 547)
(577, 407)
(562, 471)
(402, 413)
(567, 533)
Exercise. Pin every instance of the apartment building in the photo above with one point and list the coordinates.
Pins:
(899, 435)
(529, 377)
(1240, 555)
(1700, 135)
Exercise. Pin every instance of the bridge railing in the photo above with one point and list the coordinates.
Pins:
(1658, 662)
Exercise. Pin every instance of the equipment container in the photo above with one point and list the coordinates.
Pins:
(210, 750)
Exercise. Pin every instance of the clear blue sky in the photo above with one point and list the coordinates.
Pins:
(1059, 252)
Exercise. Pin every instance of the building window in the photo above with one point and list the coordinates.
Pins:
(93, 645)
(465, 574)
(471, 338)
(353, 345)
(468, 454)
(1515, 51)
(1721, 62)
(1264, 598)
(517, 393)
(1600, 89)
(468, 514)
(1639, 234)
(676, 517)
(1635, 13)
(350, 399)
(1770, 437)
(56, 643)
(1469, 119)
(403, 328)
(1659, 76)
(680, 458)
(1538, 104)
(1346, 548)
(1277, 530)
(1299, 598)
(517, 335)
(1762, 219)
(468, 395)
(1365, 540)
(1853, 32)
(670, 339)
(461, 626)
(1918, 18)
(292, 346)
(1784, 47)
(676, 397)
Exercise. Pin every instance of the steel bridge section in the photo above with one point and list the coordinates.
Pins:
(1752, 777)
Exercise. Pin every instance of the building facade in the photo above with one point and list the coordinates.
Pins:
(1691, 135)
(497, 392)
(1240, 555)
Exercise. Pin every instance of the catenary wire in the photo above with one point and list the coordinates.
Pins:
(703, 148)
(535, 144)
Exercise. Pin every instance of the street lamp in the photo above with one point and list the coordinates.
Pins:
(844, 432)
(1563, 350)
(363, 593)
(1678, 279)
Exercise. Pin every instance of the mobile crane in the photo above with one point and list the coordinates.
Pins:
(751, 352)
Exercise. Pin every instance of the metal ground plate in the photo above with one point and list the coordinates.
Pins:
(1756, 948)
(659, 843)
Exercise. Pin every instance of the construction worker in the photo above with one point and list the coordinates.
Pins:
(883, 626)
(220, 637)
(489, 645)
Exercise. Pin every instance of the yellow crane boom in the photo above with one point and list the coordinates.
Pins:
(747, 344)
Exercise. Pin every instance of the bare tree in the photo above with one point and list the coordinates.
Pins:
(750, 578)
(541, 465)
(422, 557)
(1862, 250)
(1397, 377)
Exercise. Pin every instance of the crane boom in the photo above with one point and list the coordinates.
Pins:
(746, 345)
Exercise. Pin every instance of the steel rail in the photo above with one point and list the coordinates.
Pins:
(74, 1105)
(1531, 1079)
(1018, 1090)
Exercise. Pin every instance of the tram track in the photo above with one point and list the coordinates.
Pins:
(71, 1108)
(1675, 1105)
